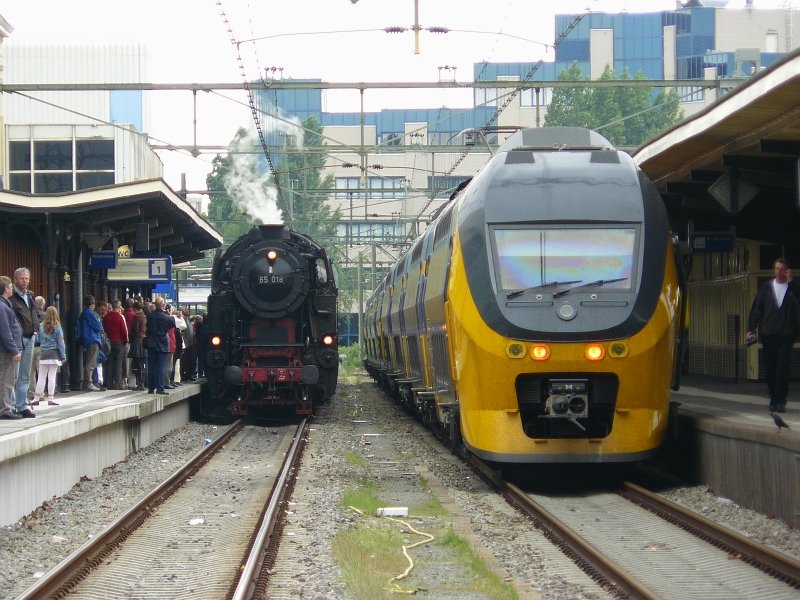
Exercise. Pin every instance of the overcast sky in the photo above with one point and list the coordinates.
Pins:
(189, 41)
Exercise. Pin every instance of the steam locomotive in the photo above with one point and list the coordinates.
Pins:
(272, 339)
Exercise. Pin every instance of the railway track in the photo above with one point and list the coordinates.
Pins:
(636, 544)
(206, 531)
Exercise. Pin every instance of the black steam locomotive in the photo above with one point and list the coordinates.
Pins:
(272, 339)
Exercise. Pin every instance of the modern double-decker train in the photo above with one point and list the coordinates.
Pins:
(539, 317)
(272, 327)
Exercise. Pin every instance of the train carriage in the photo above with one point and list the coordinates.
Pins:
(550, 304)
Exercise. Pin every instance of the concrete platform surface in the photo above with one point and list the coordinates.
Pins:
(89, 431)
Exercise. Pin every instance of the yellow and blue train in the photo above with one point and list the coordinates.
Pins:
(539, 318)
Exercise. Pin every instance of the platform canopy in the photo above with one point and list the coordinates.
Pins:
(734, 165)
(112, 216)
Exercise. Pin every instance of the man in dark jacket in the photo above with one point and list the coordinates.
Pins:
(10, 351)
(776, 315)
(24, 304)
(158, 324)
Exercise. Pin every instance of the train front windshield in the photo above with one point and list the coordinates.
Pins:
(529, 257)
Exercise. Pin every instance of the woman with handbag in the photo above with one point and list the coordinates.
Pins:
(54, 353)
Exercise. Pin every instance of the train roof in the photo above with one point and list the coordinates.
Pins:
(556, 139)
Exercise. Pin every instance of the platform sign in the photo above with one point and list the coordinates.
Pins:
(103, 259)
(154, 269)
(711, 242)
(167, 290)
(194, 295)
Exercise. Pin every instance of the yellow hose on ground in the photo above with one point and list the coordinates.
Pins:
(394, 587)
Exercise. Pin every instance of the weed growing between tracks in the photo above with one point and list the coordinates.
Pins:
(370, 553)
(485, 580)
(369, 556)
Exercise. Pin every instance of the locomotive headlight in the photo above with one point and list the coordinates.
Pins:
(216, 341)
(515, 350)
(618, 350)
(272, 255)
(594, 352)
(327, 340)
(540, 352)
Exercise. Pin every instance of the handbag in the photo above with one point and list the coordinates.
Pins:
(105, 345)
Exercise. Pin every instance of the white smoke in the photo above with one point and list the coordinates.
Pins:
(248, 183)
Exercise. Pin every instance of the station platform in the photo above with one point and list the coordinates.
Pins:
(89, 431)
(723, 436)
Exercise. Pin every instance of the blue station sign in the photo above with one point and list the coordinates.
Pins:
(103, 259)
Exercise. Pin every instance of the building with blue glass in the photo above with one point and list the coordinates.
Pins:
(702, 40)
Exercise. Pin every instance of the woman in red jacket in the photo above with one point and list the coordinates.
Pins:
(117, 331)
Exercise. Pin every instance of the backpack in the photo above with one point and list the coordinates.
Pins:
(79, 330)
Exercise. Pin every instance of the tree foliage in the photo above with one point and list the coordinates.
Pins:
(303, 203)
(229, 221)
(625, 116)
(299, 179)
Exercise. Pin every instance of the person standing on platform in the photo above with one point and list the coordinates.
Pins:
(90, 338)
(171, 340)
(100, 376)
(775, 314)
(189, 359)
(201, 335)
(127, 372)
(117, 332)
(137, 352)
(10, 350)
(40, 306)
(24, 304)
(158, 325)
(180, 346)
(54, 353)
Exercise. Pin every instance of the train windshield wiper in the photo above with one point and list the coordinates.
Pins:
(597, 283)
(515, 293)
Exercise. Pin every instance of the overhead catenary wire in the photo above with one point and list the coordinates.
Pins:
(251, 100)
(508, 98)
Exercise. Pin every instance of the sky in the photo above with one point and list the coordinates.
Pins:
(333, 40)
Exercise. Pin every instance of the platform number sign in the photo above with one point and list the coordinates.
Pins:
(153, 269)
(158, 268)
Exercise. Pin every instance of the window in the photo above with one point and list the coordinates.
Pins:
(377, 187)
(527, 97)
(529, 257)
(57, 166)
(444, 186)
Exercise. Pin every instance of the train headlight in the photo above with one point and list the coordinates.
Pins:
(328, 339)
(594, 352)
(272, 255)
(216, 341)
(515, 350)
(540, 352)
(618, 350)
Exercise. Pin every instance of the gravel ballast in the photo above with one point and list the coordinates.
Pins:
(518, 553)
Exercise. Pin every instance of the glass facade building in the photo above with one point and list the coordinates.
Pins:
(639, 42)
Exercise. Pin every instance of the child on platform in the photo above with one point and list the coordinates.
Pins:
(54, 353)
